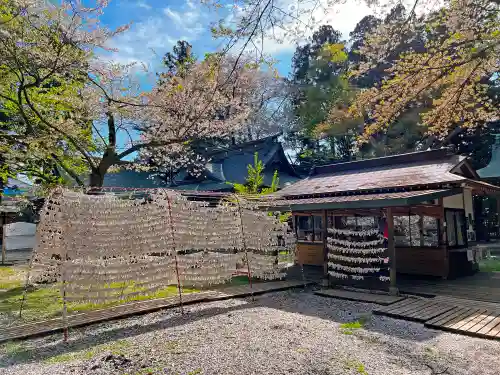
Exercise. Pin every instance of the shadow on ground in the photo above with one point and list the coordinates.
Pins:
(296, 301)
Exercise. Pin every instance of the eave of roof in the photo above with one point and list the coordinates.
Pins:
(414, 175)
(379, 200)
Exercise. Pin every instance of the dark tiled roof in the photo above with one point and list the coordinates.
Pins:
(230, 165)
(377, 177)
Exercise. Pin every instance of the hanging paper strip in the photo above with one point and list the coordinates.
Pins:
(356, 254)
(105, 248)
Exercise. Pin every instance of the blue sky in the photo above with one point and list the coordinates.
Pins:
(157, 25)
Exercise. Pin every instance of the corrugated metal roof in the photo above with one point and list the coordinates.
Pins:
(375, 200)
(389, 176)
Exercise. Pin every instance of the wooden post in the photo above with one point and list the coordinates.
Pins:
(174, 249)
(244, 244)
(4, 246)
(444, 239)
(393, 289)
(498, 216)
(325, 248)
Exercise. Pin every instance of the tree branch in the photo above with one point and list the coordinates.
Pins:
(73, 175)
(71, 139)
(152, 144)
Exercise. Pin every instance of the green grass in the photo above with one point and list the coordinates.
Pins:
(490, 265)
(350, 327)
(354, 364)
(15, 350)
(11, 277)
(116, 348)
(46, 302)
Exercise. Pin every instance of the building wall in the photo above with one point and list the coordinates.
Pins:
(458, 201)
(310, 253)
(454, 201)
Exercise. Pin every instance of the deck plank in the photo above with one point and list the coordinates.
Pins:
(488, 327)
(477, 320)
(395, 305)
(440, 310)
(463, 322)
(460, 317)
(410, 306)
(440, 320)
(483, 323)
(417, 313)
(495, 331)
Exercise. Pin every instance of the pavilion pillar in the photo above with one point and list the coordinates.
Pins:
(325, 248)
(391, 249)
(497, 198)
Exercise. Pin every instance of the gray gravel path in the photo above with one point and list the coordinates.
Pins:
(280, 333)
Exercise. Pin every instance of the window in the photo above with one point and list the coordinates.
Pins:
(356, 222)
(416, 231)
(456, 228)
(309, 228)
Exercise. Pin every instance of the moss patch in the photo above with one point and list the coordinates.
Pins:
(355, 365)
(116, 348)
(348, 328)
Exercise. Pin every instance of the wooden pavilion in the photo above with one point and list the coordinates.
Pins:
(365, 221)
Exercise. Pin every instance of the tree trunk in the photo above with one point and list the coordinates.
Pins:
(96, 178)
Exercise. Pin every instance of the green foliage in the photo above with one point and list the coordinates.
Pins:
(179, 61)
(255, 179)
(285, 216)
(334, 52)
(320, 76)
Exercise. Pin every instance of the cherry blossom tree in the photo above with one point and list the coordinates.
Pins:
(67, 105)
(453, 72)
(48, 53)
(452, 75)
(216, 98)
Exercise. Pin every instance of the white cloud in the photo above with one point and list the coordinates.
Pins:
(144, 43)
(173, 15)
(342, 16)
(150, 38)
(186, 19)
(143, 4)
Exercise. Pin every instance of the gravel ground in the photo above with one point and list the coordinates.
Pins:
(280, 333)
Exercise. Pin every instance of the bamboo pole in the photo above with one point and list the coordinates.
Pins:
(243, 242)
(4, 246)
(393, 289)
(174, 249)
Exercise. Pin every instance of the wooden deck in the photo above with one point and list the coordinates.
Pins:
(381, 299)
(143, 307)
(483, 286)
(467, 317)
